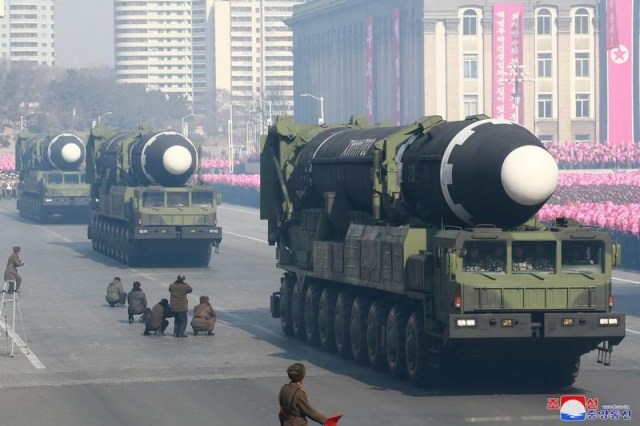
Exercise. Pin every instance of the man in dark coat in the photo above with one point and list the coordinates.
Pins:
(11, 272)
(179, 305)
(294, 405)
(137, 303)
(157, 321)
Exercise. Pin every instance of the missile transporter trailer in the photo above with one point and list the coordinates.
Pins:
(51, 182)
(414, 248)
(146, 206)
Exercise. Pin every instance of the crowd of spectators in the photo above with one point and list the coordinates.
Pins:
(586, 155)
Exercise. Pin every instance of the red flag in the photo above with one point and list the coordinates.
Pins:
(612, 26)
(333, 420)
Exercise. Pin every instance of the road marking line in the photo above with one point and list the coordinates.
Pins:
(56, 234)
(253, 213)
(247, 237)
(632, 331)
(626, 281)
(22, 346)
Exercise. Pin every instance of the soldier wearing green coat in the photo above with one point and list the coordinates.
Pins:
(11, 272)
(294, 405)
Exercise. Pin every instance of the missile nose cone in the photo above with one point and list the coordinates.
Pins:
(529, 175)
(70, 153)
(177, 160)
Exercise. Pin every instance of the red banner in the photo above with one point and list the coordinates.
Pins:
(508, 72)
(620, 72)
(395, 51)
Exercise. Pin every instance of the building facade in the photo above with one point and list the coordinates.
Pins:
(531, 62)
(27, 31)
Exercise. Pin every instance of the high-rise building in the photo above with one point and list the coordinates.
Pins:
(27, 31)
(154, 45)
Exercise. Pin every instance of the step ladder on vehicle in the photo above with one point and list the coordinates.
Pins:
(9, 306)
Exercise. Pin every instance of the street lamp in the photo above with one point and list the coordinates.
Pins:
(22, 117)
(103, 115)
(321, 99)
(229, 133)
(517, 75)
(185, 126)
(262, 101)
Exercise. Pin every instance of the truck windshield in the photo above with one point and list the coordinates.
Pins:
(484, 256)
(153, 199)
(54, 178)
(533, 256)
(202, 199)
(177, 199)
(72, 179)
(583, 256)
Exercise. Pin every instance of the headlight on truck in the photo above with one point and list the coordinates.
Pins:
(608, 322)
(471, 322)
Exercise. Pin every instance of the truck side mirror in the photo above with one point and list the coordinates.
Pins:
(616, 254)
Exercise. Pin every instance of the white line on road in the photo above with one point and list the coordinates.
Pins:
(253, 213)
(632, 331)
(247, 237)
(22, 345)
(626, 281)
(63, 238)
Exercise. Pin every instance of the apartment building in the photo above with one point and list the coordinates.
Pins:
(27, 31)
(535, 63)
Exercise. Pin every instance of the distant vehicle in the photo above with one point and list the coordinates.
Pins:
(414, 248)
(51, 179)
(148, 203)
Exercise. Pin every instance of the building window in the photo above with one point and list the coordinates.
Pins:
(470, 22)
(581, 21)
(545, 106)
(544, 22)
(582, 105)
(470, 66)
(470, 105)
(546, 138)
(583, 138)
(582, 64)
(544, 65)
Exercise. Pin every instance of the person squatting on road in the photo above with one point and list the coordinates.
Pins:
(204, 317)
(115, 293)
(179, 305)
(137, 303)
(11, 271)
(294, 405)
(157, 321)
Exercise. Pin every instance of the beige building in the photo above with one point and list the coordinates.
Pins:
(27, 31)
(446, 64)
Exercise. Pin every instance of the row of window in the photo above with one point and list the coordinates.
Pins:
(544, 102)
(544, 68)
(581, 21)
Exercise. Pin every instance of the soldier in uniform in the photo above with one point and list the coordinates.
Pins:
(204, 317)
(11, 272)
(115, 293)
(294, 405)
(179, 305)
(157, 321)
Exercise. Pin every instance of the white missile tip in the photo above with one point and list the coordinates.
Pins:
(71, 153)
(529, 175)
(177, 160)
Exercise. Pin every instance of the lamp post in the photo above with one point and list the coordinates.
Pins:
(103, 115)
(317, 98)
(517, 75)
(268, 103)
(22, 117)
(185, 126)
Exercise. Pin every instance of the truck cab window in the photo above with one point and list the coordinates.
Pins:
(484, 256)
(533, 256)
(177, 199)
(201, 199)
(583, 256)
(71, 179)
(153, 199)
(55, 178)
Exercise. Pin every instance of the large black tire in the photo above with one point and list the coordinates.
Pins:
(297, 311)
(422, 366)
(286, 293)
(343, 324)
(358, 329)
(311, 307)
(376, 325)
(561, 374)
(395, 342)
(326, 318)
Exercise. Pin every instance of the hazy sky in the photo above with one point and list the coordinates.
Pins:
(84, 33)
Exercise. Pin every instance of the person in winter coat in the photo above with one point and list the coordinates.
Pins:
(179, 305)
(11, 271)
(115, 293)
(293, 401)
(204, 317)
(157, 321)
(137, 303)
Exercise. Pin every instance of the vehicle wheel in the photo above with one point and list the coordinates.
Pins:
(311, 305)
(343, 324)
(561, 374)
(395, 341)
(326, 318)
(297, 311)
(286, 290)
(420, 368)
(358, 329)
(376, 325)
